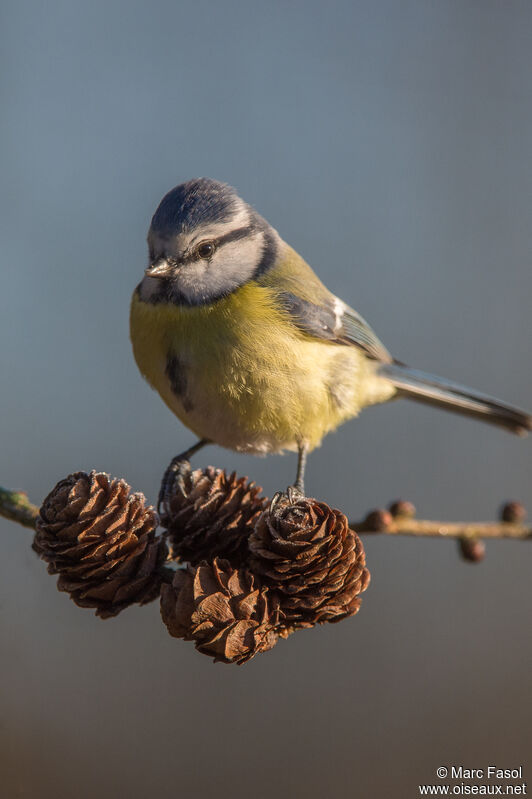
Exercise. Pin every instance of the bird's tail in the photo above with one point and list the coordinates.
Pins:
(432, 390)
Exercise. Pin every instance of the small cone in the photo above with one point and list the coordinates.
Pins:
(101, 541)
(223, 610)
(211, 514)
(306, 552)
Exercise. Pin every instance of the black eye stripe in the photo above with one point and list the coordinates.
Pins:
(233, 235)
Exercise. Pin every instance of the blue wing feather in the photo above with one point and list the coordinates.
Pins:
(334, 321)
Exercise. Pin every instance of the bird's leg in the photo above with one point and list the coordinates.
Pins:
(299, 485)
(176, 471)
(296, 491)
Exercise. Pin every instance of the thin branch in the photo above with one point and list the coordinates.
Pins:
(16, 506)
(425, 528)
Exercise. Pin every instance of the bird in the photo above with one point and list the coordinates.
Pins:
(247, 346)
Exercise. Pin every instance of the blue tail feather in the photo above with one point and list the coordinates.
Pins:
(433, 390)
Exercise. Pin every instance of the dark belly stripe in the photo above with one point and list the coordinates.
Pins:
(176, 374)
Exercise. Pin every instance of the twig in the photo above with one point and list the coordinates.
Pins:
(427, 528)
(16, 506)
(400, 519)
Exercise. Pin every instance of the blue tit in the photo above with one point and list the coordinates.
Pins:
(249, 349)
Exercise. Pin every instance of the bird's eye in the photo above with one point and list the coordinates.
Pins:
(206, 249)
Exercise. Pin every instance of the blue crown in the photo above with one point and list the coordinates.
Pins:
(194, 203)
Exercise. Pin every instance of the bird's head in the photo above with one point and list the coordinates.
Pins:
(204, 242)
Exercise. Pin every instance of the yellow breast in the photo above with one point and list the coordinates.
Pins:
(239, 373)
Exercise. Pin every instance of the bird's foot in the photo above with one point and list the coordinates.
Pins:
(292, 495)
(174, 478)
(295, 493)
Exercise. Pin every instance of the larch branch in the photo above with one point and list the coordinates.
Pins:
(15, 505)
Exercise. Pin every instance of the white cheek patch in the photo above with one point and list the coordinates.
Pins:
(232, 266)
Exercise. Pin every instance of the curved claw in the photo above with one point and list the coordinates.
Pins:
(174, 476)
(292, 494)
(176, 472)
(275, 500)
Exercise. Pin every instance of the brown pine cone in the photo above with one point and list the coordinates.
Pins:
(101, 541)
(306, 552)
(211, 514)
(224, 610)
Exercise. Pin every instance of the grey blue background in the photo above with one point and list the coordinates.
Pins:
(391, 144)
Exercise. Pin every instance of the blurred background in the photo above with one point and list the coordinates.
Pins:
(391, 144)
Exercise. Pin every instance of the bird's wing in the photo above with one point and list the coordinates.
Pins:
(317, 312)
(332, 319)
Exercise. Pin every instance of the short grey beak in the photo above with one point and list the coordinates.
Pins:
(161, 268)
